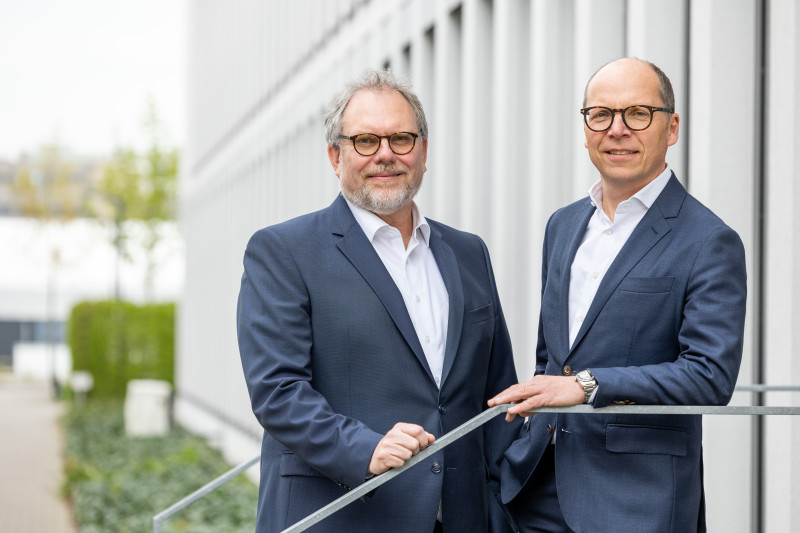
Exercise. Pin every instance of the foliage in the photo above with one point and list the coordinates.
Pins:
(118, 483)
(118, 341)
(139, 186)
(51, 186)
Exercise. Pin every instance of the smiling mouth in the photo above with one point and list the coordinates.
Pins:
(386, 175)
(383, 173)
(622, 152)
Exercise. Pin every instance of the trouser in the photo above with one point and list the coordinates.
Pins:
(536, 509)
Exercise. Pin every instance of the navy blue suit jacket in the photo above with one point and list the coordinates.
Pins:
(332, 362)
(665, 327)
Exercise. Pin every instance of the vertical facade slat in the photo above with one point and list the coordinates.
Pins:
(782, 250)
(473, 189)
(721, 175)
(508, 142)
(554, 125)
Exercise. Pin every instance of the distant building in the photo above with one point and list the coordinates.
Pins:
(47, 268)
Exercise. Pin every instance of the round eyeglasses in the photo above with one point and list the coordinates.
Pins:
(635, 117)
(400, 143)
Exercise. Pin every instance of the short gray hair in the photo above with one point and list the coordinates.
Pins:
(371, 80)
(665, 91)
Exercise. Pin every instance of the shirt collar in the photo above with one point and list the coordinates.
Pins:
(646, 196)
(370, 222)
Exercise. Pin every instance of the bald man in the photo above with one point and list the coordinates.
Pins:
(643, 301)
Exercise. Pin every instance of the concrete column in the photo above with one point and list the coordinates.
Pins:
(782, 255)
(510, 177)
(722, 160)
(474, 187)
(445, 166)
(554, 124)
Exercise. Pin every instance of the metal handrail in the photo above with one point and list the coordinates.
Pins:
(474, 423)
(202, 491)
(767, 388)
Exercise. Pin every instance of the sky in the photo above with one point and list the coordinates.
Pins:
(80, 72)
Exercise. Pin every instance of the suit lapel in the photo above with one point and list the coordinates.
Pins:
(651, 229)
(359, 251)
(448, 267)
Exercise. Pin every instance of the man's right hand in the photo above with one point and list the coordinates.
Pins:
(401, 443)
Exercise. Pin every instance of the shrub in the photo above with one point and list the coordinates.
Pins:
(118, 483)
(118, 341)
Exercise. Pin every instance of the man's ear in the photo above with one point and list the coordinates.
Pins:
(672, 132)
(333, 154)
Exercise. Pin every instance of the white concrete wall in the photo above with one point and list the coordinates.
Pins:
(502, 82)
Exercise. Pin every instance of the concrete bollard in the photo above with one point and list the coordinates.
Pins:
(81, 383)
(147, 408)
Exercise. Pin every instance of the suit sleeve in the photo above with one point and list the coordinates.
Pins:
(710, 337)
(498, 434)
(275, 345)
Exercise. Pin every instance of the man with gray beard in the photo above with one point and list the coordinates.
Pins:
(366, 331)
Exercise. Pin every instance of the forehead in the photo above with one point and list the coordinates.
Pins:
(624, 83)
(382, 111)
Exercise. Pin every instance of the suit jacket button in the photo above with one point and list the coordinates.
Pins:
(549, 429)
(442, 409)
(567, 370)
(436, 468)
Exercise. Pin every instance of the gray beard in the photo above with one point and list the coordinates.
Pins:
(381, 201)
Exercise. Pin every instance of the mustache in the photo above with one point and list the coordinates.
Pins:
(384, 169)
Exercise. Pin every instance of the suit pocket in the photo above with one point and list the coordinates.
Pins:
(663, 284)
(291, 465)
(646, 439)
(481, 314)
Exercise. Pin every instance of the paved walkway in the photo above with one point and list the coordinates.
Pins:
(30, 460)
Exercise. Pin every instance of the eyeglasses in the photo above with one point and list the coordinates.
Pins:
(400, 143)
(635, 117)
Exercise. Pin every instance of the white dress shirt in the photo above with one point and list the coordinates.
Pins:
(602, 242)
(416, 274)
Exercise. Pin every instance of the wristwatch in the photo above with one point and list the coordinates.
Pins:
(588, 382)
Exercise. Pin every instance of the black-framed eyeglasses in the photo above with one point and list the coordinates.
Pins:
(400, 142)
(635, 117)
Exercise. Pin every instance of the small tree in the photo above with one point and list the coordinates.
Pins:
(139, 186)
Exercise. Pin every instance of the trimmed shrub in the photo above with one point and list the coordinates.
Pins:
(118, 341)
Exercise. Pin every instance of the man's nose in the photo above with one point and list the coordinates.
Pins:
(384, 150)
(618, 126)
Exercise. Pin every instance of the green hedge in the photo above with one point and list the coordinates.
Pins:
(118, 341)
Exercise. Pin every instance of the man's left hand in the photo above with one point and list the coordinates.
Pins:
(540, 391)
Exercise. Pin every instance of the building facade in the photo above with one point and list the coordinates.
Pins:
(502, 82)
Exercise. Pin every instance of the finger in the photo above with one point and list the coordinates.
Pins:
(524, 406)
(426, 440)
(421, 438)
(514, 393)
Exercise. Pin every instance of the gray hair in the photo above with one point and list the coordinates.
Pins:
(664, 85)
(372, 80)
